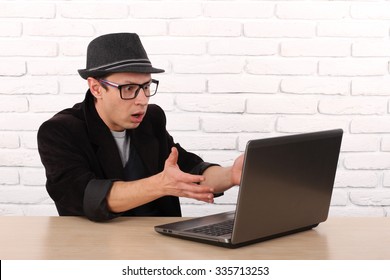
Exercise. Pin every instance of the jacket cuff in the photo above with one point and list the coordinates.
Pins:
(95, 200)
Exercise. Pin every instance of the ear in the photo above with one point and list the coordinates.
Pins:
(95, 87)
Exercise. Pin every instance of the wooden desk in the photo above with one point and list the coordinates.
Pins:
(135, 238)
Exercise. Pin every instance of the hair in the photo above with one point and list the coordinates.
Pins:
(101, 78)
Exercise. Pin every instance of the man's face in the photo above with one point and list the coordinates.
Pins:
(119, 114)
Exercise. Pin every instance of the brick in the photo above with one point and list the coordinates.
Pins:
(371, 198)
(180, 84)
(242, 9)
(348, 105)
(74, 47)
(386, 179)
(10, 29)
(371, 11)
(40, 210)
(224, 158)
(22, 121)
(370, 125)
(356, 211)
(237, 123)
(87, 11)
(165, 9)
(315, 48)
(143, 27)
(385, 144)
(356, 179)
(19, 158)
(9, 140)
(190, 46)
(211, 103)
(52, 103)
(243, 83)
(312, 10)
(367, 161)
(12, 67)
(353, 67)
(292, 124)
(9, 176)
(245, 47)
(316, 85)
(244, 138)
(280, 29)
(186, 28)
(360, 143)
(28, 139)
(182, 122)
(33, 176)
(198, 141)
(13, 104)
(10, 210)
(371, 86)
(58, 28)
(36, 85)
(278, 66)
(54, 66)
(282, 105)
(164, 100)
(339, 198)
(24, 9)
(219, 91)
(161, 62)
(22, 195)
(353, 29)
(73, 85)
(213, 65)
(14, 47)
(375, 48)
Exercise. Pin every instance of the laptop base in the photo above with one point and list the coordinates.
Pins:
(234, 246)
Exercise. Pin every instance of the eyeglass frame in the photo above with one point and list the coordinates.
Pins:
(109, 83)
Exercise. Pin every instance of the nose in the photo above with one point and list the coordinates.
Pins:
(141, 98)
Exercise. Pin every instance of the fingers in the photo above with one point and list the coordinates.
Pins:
(181, 184)
(191, 190)
(173, 157)
(197, 192)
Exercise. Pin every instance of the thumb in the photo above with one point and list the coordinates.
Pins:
(173, 156)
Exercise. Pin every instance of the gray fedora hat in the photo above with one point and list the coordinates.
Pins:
(117, 52)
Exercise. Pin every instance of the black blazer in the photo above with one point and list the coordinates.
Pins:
(82, 160)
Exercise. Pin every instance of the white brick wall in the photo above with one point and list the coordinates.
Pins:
(236, 70)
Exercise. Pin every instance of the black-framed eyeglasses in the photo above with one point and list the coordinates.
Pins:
(131, 91)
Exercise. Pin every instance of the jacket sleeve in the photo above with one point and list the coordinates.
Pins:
(71, 183)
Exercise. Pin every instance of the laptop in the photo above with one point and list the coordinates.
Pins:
(286, 187)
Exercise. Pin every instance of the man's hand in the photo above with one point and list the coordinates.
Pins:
(175, 182)
(236, 170)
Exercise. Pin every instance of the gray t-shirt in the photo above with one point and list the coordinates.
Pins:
(123, 142)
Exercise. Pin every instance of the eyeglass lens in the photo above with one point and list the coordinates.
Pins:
(131, 91)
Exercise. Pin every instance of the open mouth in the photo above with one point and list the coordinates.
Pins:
(137, 117)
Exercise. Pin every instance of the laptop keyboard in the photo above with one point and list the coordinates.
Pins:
(225, 227)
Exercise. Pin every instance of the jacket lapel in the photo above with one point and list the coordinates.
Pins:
(103, 141)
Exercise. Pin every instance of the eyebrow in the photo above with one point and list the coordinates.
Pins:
(130, 82)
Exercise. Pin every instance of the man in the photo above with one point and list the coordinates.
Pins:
(111, 154)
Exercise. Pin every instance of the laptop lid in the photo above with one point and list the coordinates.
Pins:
(286, 187)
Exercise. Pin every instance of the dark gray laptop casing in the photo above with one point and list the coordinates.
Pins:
(286, 187)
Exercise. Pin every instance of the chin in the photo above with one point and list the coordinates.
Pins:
(132, 126)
